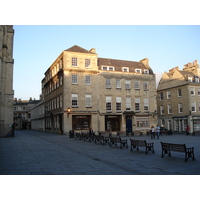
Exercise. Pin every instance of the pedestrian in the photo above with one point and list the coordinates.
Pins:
(152, 133)
(158, 131)
(187, 130)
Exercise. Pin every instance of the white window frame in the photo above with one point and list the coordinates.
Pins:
(127, 84)
(109, 104)
(162, 111)
(137, 85)
(125, 69)
(146, 105)
(118, 104)
(169, 109)
(138, 71)
(168, 94)
(87, 80)
(74, 100)
(179, 94)
(137, 104)
(128, 103)
(88, 100)
(74, 62)
(87, 63)
(192, 91)
(118, 83)
(108, 68)
(180, 108)
(193, 107)
(146, 71)
(74, 79)
(108, 83)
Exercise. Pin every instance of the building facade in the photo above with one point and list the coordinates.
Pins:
(179, 98)
(22, 113)
(82, 91)
(6, 79)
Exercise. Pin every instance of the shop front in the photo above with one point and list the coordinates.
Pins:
(112, 123)
(81, 122)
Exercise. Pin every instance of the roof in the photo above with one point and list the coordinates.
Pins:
(78, 49)
(118, 64)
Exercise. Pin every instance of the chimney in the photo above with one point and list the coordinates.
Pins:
(93, 50)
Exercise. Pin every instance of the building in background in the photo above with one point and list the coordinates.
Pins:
(6, 80)
(82, 91)
(22, 113)
(179, 98)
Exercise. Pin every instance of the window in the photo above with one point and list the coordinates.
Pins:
(74, 62)
(87, 63)
(162, 110)
(180, 107)
(137, 104)
(58, 101)
(61, 80)
(108, 104)
(192, 91)
(74, 100)
(74, 79)
(127, 84)
(108, 68)
(118, 104)
(88, 100)
(137, 85)
(145, 85)
(179, 93)
(168, 95)
(161, 96)
(128, 103)
(146, 71)
(138, 71)
(88, 80)
(190, 78)
(199, 106)
(198, 91)
(142, 122)
(193, 106)
(146, 104)
(61, 101)
(108, 83)
(125, 69)
(169, 108)
(118, 83)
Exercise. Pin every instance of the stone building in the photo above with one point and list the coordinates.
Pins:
(22, 112)
(179, 98)
(82, 91)
(6, 79)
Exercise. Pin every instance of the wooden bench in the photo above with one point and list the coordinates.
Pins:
(118, 140)
(78, 135)
(102, 139)
(131, 134)
(168, 147)
(142, 143)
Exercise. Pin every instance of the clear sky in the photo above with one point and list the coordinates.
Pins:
(37, 46)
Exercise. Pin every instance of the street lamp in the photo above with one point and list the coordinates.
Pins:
(68, 112)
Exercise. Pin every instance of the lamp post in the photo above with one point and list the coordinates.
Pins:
(68, 112)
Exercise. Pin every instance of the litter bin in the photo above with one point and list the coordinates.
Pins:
(71, 134)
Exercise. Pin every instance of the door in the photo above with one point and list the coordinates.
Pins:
(128, 124)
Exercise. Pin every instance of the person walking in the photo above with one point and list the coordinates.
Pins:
(158, 131)
(152, 133)
(187, 130)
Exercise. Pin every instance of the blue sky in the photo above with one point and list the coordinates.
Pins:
(37, 46)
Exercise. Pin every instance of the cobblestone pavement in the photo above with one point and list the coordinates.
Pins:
(43, 153)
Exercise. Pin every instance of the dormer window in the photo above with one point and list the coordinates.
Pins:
(190, 78)
(139, 71)
(196, 79)
(108, 68)
(146, 71)
(125, 69)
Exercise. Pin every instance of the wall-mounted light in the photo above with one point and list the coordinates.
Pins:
(68, 111)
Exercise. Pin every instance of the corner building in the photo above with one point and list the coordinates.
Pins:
(178, 98)
(82, 91)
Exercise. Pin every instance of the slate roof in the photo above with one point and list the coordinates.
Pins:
(78, 49)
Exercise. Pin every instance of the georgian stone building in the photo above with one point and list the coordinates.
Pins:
(6, 79)
(82, 91)
(179, 98)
